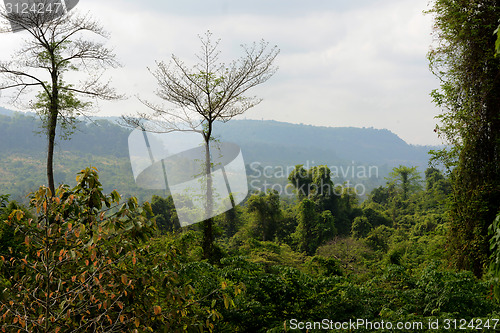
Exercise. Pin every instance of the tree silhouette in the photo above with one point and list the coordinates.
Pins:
(56, 45)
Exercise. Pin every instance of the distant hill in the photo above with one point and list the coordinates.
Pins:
(264, 143)
(21, 133)
(278, 142)
(6, 112)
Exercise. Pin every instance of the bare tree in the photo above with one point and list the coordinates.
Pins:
(57, 43)
(207, 92)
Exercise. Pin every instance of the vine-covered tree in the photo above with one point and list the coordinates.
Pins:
(267, 214)
(164, 213)
(406, 179)
(361, 227)
(315, 183)
(207, 92)
(464, 60)
(306, 234)
(56, 45)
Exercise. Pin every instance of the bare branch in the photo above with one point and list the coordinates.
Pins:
(210, 90)
(58, 43)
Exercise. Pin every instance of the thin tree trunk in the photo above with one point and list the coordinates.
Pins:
(51, 126)
(208, 235)
(51, 132)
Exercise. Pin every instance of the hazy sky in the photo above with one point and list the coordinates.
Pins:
(342, 62)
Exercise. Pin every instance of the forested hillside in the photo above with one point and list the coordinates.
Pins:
(291, 143)
(316, 262)
(104, 144)
(342, 229)
(289, 261)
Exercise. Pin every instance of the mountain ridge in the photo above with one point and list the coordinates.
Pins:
(269, 145)
(323, 143)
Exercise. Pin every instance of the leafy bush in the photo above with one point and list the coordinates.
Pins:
(85, 268)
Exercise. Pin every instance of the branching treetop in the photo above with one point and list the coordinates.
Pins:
(56, 44)
(208, 91)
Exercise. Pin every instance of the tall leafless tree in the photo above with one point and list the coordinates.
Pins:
(207, 92)
(56, 44)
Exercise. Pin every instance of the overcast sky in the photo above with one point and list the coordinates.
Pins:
(342, 63)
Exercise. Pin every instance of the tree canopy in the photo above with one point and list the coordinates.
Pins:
(207, 92)
(57, 45)
(463, 58)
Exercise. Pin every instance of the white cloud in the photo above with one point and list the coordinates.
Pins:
(363, 64)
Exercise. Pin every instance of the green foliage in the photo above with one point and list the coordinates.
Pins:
(221, 94)
(164, 212)
(69, 106)
(324, 266)
(230, 221)
(83, 261)
(361, 227)
(266, 211)
(406, 180)
(376, 217)
(10, 241)
(437, 186)
(353, 254)
(316, 184)
(432, 177)
(444, 292)
(497, 42)
(326, 226)
(433, 293)
(84, 267)
(281, 293)
(378, 239)
(53, 48)
(4, 200)
(301, 179)
(288, 225)
(381, 195)
(306, 235)
(494, 231)
(313, 228)
(469, 96)
(103, 144)
(303, 270)
(280, 258)
(271, 254)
